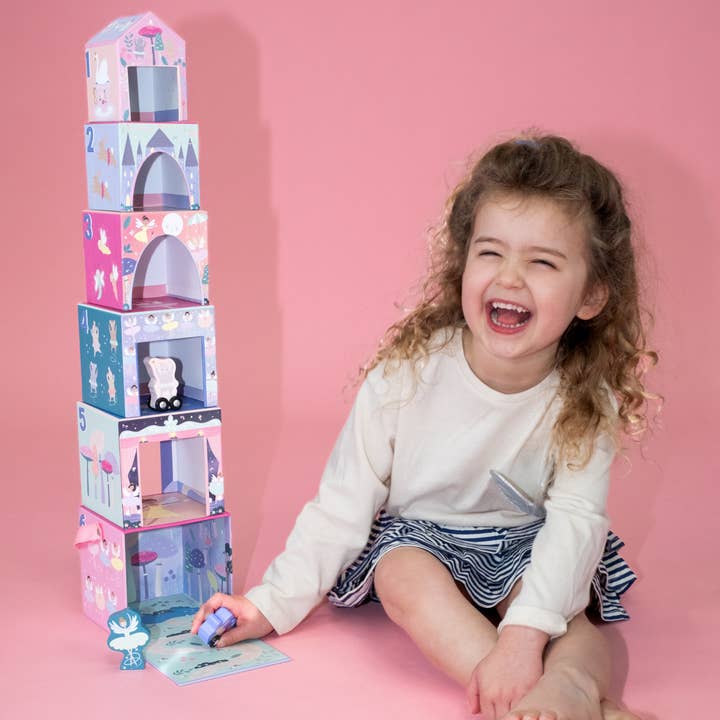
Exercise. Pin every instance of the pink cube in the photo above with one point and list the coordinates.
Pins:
(170, 568)
(136, 258)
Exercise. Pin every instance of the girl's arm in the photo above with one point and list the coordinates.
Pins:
(568, 548)
(555, 586)
(332, 529)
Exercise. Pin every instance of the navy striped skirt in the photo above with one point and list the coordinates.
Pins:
(487, 561)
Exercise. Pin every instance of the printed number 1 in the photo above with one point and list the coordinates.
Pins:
(81, 418)
(89, 133)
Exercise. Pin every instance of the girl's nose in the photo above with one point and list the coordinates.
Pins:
(509, 275)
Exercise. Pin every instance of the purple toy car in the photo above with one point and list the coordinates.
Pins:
(216, 624)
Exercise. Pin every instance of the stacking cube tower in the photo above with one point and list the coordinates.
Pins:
(153, 532)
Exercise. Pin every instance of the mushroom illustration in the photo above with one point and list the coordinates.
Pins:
(109, 466)
(150, 31)
(142, 559)
(106, 467)
(87, 455)
(97, 443)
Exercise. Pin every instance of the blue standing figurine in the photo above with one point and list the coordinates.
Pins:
(129, 636)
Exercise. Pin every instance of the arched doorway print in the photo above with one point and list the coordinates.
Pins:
(161, 185)
(165, 271)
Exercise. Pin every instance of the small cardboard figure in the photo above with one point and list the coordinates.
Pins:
(128, 636)
(163, 384)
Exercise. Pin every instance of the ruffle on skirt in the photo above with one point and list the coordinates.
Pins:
(487, 561)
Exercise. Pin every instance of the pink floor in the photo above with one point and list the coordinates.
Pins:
(356, 661)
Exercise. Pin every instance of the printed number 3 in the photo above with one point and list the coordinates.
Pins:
(87, 221)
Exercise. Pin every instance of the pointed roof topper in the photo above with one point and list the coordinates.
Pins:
(191, 159)
(135, 71)
(160, 141)
(128, 159)
(142, 24)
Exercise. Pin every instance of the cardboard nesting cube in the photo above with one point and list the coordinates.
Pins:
(142, 166)
(156, 570)
(136, 258)
(153, 470)
(113, 345)
(135, 70)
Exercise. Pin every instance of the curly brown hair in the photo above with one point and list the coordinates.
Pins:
(607, 351)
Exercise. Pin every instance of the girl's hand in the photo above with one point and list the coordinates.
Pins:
(507, 673)
(251, 623)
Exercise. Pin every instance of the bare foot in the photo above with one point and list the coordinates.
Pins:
(610, 711)
(561, 694)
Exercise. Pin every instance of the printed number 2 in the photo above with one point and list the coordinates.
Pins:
(81, 418)
(89, 133)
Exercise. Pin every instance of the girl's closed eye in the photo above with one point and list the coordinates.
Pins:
(547, 263)
(488, 252)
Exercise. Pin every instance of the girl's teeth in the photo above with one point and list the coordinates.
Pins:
(509, 306)
(509, 315)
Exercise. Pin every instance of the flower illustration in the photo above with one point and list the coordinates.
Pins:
(99, 283)
(114, 275)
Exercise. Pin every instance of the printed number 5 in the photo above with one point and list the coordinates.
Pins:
(81, 418)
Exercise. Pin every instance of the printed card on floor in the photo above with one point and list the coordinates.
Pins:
(184, 658)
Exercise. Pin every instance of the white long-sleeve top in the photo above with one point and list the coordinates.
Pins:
(424, 450)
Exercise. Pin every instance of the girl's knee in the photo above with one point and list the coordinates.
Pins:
(395, 572)
(402, 579)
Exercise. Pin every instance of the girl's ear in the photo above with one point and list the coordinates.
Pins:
(595, 301)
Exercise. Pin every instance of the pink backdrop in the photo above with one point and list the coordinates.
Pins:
(330, 134)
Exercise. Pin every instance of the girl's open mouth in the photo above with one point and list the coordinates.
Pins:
(507, 317)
